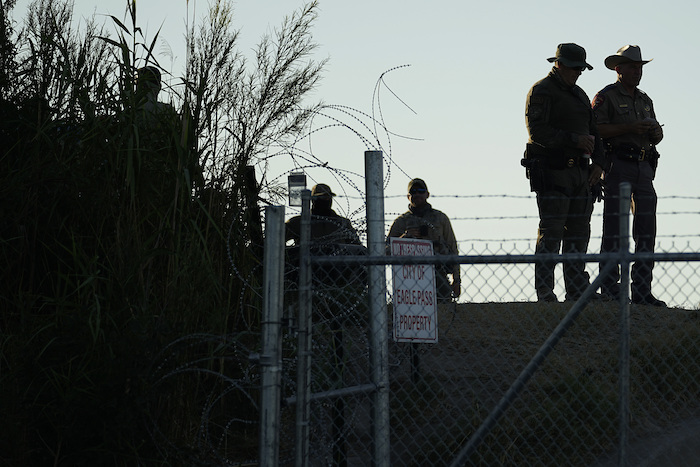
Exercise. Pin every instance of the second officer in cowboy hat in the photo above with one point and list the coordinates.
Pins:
(627, 123)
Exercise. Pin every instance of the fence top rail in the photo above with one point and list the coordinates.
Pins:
(370, 260)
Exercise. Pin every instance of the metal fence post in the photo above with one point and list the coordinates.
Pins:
(303, 412)
(625, 201)
(271, 357)
(379, 333)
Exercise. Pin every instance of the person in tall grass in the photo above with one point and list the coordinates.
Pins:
(161, 130)
(148, 86)
(152, 114)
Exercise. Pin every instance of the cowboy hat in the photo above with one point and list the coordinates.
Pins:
(626, 54)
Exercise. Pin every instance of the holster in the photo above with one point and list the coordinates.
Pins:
(654, 158)
(535, 161)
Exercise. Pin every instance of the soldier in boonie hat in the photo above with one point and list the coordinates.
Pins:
(564, 158)
(571, 55)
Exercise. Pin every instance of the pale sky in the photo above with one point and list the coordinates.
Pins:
(471, 66)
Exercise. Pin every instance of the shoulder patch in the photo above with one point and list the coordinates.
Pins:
(600, 97)
(598, 100)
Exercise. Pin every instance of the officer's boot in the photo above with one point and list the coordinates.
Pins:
(545, 285)
(544, 270)
(576, 278)
(544, 282)
(641, 285)
(610, 288)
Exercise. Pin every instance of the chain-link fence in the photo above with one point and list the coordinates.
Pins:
(566, 410)
(505, 380)
(413, 379)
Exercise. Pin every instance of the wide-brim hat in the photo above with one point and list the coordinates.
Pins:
(571, 55)
(626, 54)
(321, 190)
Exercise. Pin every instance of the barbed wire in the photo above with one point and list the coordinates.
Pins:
(532, 239)
(511, 196)
(490, 218)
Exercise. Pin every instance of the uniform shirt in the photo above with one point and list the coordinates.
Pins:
(331, 235)
(438, 228)
(326, 227)
(556, 114)
(613, 104)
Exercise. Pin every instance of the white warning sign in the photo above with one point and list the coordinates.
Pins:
(415, 301)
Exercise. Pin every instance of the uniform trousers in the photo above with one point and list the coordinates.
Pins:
(565, 207)
(639, 174)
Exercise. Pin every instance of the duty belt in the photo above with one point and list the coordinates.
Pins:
(581, 161)
(631, 153)
(563, 162)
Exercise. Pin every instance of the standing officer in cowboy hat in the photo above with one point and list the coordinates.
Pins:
(564, 158)
(627, 123)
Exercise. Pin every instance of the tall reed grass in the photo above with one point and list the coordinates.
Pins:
(126, 229)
